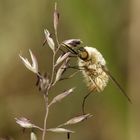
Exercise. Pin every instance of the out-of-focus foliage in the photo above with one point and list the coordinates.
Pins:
(100, 23)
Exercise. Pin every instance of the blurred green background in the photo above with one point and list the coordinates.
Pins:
(109, 25)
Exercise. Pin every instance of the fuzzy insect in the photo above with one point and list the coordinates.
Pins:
(91, 61)
(93, 67)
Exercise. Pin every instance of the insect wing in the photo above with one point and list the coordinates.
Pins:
(94, 82)
(116, 82)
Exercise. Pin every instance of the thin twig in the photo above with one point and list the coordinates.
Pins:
(53, 69)
(46, 116)
(46, 99)
(56, 36)
(41, 129)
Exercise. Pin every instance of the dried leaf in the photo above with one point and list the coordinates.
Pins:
(32, 67)
(56, 17)
(62, 58)
(24, 122)
(76, 120)
(60, 130)
(33, 136)
(72, 42)
(61, 96)
(49, 40)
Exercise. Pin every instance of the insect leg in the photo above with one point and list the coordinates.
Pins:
(95, 88)
(72, 75)
(84, 101)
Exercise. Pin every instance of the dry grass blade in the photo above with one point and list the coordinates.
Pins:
(61, 70)
(34, 61)
(33, 136)
(24, 122)
(32, 67)
(59, 74)
(61, 96)
(76, 120)
(56, 17)
(49, 40)
(60, 130)
(62, 58)
(72, 42)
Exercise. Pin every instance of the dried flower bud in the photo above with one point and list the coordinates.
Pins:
(76, 119)
(49, 40)
(61, 70)
(72, 42)
(62, 58)
(60, 130)
(59, 74)
(43, 82)
(24, 122)
(32, 67)
(56, 17)
(61, 96)
(33, 136)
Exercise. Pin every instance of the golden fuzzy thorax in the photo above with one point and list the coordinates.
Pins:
(91, 68)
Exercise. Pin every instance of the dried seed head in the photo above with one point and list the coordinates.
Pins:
(61, 70)
(24, 122)
(49, 40)
(61, 58)
(61, 96)
(56, 17)
(60, 130)
(33, 136)
(72, 42)
(32, 67)
(76, 120)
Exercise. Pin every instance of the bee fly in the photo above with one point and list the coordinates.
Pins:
(93, 67)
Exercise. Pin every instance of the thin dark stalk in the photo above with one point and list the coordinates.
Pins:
(83, 103)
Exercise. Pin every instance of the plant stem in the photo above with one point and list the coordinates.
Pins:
(46, 116)
(56, 36)
(47, 90)
(53, 69)
(46, 98)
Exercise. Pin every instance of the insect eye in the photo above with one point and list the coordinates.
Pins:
(83, 55)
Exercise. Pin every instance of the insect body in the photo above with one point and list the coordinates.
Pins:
(91, 62)
(93, 67)
(95, 72)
